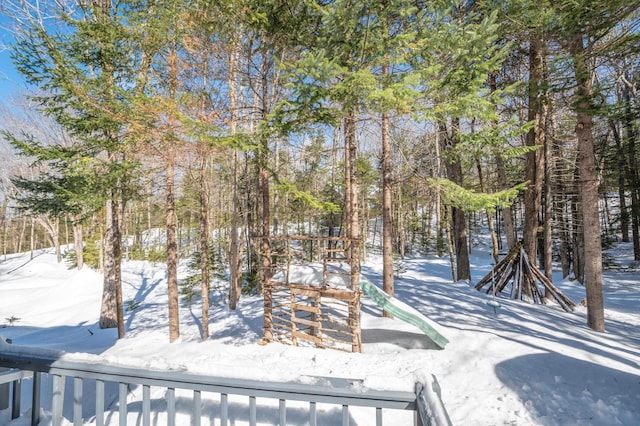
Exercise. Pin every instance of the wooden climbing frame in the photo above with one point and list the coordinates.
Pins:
(309, 294)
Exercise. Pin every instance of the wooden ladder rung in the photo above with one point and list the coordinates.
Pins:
(314, 339)
(303, 321)
(306, 308)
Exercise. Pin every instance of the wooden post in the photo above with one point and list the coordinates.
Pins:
(294, 339)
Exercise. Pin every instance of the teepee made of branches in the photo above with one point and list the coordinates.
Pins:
(525, 278)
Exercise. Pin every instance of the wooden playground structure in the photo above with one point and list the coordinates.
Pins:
(312, 293)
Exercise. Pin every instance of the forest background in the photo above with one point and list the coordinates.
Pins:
(171, 129)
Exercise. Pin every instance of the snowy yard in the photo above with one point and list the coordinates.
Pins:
(522, 365)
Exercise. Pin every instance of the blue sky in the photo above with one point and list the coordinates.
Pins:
(10, 80)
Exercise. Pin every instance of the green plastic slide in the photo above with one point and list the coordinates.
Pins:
(403, 312)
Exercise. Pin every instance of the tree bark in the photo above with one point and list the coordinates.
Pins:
(352, 220)
(634, 176)
(172, 252)
(623, 172)
(235, 247)
(170, 200)
(565, 260)
(563, 212)
(204, 247)
(506, 212)
(588, 186)
(78, 243)
(51, 228)
(32, 237)
(547, 260)
(387, 213)
(264, 219)
(450, 245)
(454, 173)
(537, 114)
(440, 222)
(577, 233)
(489, 213)
(463, 267)
(507, 215)
(3, 222)
(263, 181)
(111, 312)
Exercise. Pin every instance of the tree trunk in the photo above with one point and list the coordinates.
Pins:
(450, 245)
(351, 204)
(111, 312)
(634, 176)
(387, 218)
(364, 229)
(440, 238)
(172, 252)
(577, 237)
(351, 152)
(170, 202)
(3, 222)
(263, 183)
(565, 260)
(463, 267)
(563, 205)
(276, 192)
(623, 172)
(494, 238)
(251, 223)
(507, 216)
(204, 247)
(32, 238)
(547, 260)
(51, 228)
(78, 244)
(534, 167)
(265, 248)
(588, 187)
(102, 247)
(454, 173)
(235, 247)
(440, 222)
(20, 239)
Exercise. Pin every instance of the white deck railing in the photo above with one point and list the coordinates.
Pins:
(129, 389)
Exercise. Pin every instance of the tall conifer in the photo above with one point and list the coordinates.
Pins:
(81, 66)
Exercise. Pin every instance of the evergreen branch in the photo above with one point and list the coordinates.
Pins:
(470, 200)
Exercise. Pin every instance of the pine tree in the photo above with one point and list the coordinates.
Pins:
(82, 66)
(66, 188)
(579, 26)
(458, 50)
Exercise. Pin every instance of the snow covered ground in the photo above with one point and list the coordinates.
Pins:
(522, 365)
